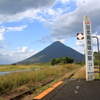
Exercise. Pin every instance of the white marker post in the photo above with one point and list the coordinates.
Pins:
(88, 49)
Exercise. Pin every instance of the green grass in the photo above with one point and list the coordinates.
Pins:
(15, 80)
(82, 73)
(4, 68)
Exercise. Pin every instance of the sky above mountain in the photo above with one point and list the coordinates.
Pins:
(28, 26)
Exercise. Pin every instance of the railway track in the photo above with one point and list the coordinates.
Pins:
(30, 92)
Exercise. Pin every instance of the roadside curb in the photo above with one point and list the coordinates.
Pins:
(44, 94)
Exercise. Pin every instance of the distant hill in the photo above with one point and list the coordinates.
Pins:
(55, 50)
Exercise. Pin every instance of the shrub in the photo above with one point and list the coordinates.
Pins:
(53, 61)
(62, 60)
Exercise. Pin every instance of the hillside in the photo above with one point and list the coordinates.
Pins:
(55, 50)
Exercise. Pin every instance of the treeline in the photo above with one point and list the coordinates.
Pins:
(62, 60)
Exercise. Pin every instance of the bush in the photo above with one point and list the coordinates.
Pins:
(62, 60)
(80, 63)
(53, 61)
(96, 58)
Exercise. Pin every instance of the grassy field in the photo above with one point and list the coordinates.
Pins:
(4, 68)
(29, 78)
(33, 78)
(82, 73)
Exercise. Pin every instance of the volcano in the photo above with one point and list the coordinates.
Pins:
(55, 50)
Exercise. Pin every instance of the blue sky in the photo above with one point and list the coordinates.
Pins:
(28, 26)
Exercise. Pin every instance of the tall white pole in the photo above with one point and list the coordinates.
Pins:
(88, 49)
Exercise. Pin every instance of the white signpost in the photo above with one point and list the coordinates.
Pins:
(88, 49)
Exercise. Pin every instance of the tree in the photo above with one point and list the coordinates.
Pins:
(71, 60)
(62, 60)
(53, 61)
(59, 60)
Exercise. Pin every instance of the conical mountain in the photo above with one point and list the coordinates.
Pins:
(55, 50)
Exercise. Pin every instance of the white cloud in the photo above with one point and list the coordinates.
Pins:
(63, 24)
(61, 40)
(96, 39)
(6, 29)
(4, 54)
(80, 42)
(12, 7)
(8, 57)
(51, 12)
(60, 10)
(64, 1)
(69, 24)
(80, 49)
(29, 9)
(23, 50)
(2, 30)
(42, 14)
(16, 28)
(28, 14)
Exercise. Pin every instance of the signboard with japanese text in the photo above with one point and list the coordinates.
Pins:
(88, 49)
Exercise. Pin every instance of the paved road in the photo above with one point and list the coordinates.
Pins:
(79, 89)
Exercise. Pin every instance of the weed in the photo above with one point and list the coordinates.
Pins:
(80, 73)
(14, 80)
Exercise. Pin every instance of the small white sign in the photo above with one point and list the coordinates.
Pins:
(80, 36)
(88, 49)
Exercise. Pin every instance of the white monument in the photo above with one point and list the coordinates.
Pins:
(88, 49)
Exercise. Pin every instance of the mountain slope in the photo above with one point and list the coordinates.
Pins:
(55, 50)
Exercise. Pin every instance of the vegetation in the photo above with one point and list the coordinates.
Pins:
(81, 74)
(62, 60)
(80, 62)
(14, 80)
(4, 68)
(29, 78)
(96, 58)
